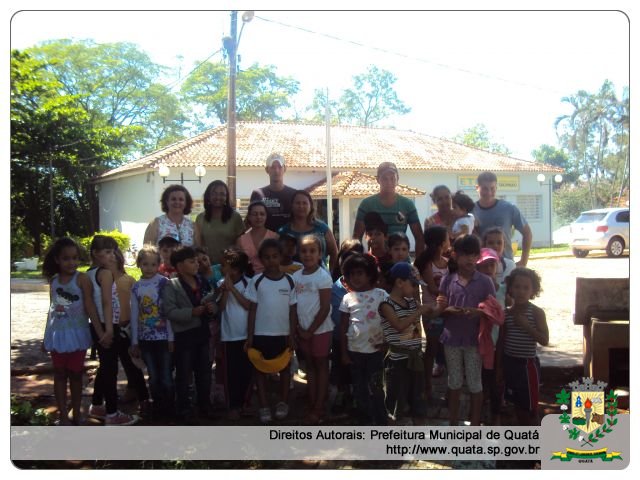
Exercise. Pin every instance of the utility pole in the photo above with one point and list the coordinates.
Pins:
(231, 110)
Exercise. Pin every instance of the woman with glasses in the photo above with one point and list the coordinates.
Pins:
(176, 203)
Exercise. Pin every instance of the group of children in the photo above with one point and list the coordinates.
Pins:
(360, 329)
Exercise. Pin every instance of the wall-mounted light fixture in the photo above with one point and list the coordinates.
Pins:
(163, 171)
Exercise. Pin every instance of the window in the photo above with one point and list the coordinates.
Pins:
(623, 217)
(530, 206)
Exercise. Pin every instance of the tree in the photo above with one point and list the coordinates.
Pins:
(595, 135)
(569, 201)
(260, 94)
(478, 137)
(371, 99)
(551, 155)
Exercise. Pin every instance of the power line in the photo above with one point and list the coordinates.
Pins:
(182, 79)
(409, 57)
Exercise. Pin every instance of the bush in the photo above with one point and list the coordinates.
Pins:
(21, 244)
(23, 413)
(123, 240)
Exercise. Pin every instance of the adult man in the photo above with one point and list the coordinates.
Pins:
(396, 211)
(491, 212)
(276, 196)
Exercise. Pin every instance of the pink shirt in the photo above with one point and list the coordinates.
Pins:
(246, 245)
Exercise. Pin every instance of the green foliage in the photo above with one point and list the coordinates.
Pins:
(563, 396)
(23, 413)
(260, 94)
(372, 98)
(569, 201)
(21, 244)
(478, 137)
(122, 239)
(551, 155)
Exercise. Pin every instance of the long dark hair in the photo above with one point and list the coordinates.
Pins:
(434, 236)
(227, 210)
(49, 266)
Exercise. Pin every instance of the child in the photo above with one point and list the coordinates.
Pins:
(188, 304)
(375, 234)
(313, 294)
(433, 265)
(494, 238)
(398, 247)
(67, 335)
(362, 338)
(525, 325)
(107, 303)
(234, 308)
(461, 291)
(151, 333)
(136, 386)
(249, 241)
(488, 264)
(167, 245)
(272, 322)
(339, 374)
(289, 245)
(462, 207)
(404, 367)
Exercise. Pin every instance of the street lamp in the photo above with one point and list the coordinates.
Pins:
(163, 171)
(231, 46)
(541, 180)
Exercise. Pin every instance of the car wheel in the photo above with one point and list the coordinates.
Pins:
(580, 253)
(615, 247)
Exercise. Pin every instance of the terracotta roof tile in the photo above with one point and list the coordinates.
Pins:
(352, 148)
(356, 184)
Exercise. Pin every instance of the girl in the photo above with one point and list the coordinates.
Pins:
(461, 291)
(151, 333)
(105, 297)
(525, 325)
(494, 238)
(462, 207)
(272, 322)
(136, 386)
(313, 292)
(67, 335)
(249, 241)
(362, 339)
(235, 313)
(398, 244)
(432, 265)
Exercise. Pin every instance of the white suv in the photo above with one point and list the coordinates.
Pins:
(602, 229)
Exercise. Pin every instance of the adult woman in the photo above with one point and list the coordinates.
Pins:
(176, 203)
(219, 226)
(249, 241)
(441, 197)
(303, 222)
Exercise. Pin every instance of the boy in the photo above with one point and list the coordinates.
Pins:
(289, 243)
(166, 246)
(401, 326)
(375, 235)
(398, 247)
(188, 304)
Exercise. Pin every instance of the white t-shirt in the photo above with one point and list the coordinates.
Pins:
(234, 317)
(468, 220)
(273, 299)
(504, 269)
(308, 296)
(365, 324)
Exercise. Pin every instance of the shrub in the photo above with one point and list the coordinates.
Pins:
(122, 239)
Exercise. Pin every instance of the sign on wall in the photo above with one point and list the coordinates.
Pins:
(505, 182)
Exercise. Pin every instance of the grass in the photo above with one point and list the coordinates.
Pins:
(37, 274)
(556, 248)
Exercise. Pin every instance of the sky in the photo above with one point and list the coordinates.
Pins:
(454, 69)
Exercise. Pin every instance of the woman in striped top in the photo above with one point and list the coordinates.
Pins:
(525, 326)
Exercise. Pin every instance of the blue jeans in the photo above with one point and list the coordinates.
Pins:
(192, 358)
(366, 374)
(404, 388)
(157, 358)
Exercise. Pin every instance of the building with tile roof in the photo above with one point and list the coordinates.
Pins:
(422, 160)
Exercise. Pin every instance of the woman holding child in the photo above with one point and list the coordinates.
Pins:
(176, 203)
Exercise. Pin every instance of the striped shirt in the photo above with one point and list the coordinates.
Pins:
(411, 337)
(517, 342)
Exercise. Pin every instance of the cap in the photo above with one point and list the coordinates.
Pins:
(387, 166)
(406, 271)
(169, 240)
(275, 157)
(487, 254)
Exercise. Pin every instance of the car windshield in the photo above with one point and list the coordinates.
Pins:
(590, 217)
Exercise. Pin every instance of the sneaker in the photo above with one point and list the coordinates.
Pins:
(120, 418)
(265, 415)
(282, 410)
(97, 411)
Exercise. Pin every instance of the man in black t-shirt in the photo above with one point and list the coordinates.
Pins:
(276, 196)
